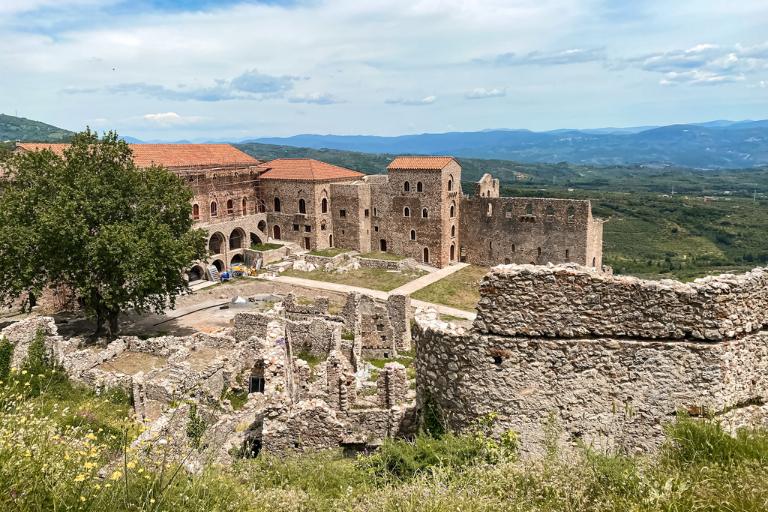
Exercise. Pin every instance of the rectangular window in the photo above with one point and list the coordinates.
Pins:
(342, 213)
(295, 227)
(367, 213)
(376, 229)
(256, 385)
(307, 228)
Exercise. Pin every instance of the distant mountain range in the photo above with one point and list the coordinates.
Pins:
(717, 144)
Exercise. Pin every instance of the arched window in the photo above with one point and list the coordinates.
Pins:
(538, 252)
(406, 212)
(489, 211)
(453, 230)
(594, 263)
(195, 211)
(406, 186)
(452, 253)
(330, 240)
(302, 206)
(324, 205)
(513, 247)
(424, 213)
(230, 207)
(450, 183)
(276, 232)
(413, 234)
(323, 226)
(426, 255)
(571, 214)
(419, 187)
(453, 209)
(214, 209)
(277, 205)
(529, 209)
(567, 255)
(245, 206)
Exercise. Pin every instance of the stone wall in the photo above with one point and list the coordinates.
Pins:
(352, 215)
(317, 337)
(488, 186)
(496, 230)
(383, 328)
(610, 359)
(568, 301)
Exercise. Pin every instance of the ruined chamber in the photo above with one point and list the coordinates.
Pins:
(607, 360)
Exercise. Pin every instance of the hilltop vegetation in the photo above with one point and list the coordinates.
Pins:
(18, 128)
(662, 222)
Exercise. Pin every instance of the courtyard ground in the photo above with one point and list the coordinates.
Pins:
(371, 278)
(460, 290)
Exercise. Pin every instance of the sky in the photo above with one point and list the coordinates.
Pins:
(229, 70)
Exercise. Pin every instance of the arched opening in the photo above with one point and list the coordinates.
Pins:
(302, 206)
(196, 273)
(236, 259)
(214, 209)
(567, 255)
(426, 255)
(413, 234)
(236, 238)
(262, 225)
(453, 252)
(324, 205)
(489, 211)
(424, 213)
(453, 231)
(406, 212)
(538, 252)
(406, 186)
(594, 263)
(323, 226)
(450, 185)
(255, 239)
(453, 209)
(513, 247)
(383, 245)
(245, 206)
(277, 204)
(219, 265)
(419, 187)
(196, 212)
(230, 207)
(276, 232)
(506, 261)
(216, 243)
(529, 209)
(330, 240)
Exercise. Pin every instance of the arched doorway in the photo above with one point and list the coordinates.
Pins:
(426, 255)
(236, 238)
(262, 225)
(237, 258)
(453, 252)
(276, 232)
(196, 273)
(219, 265)
(330, 240)
(216, 243)
(255, 240)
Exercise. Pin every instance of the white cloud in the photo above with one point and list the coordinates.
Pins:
(556, 58)
(426, 100)
(170, 119)
(480, 93)
(315, 98)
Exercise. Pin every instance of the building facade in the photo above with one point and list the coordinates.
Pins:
(417, 210)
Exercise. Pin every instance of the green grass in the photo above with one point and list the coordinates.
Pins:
(382, 256)
(237, 399)
(404, 360)
(311, 359)
(329, 253)
(371, 278)
(265, 246)
(459, 290)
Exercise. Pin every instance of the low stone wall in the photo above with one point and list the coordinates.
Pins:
(266, 257)
(570, 301)
(328, 262)
(606, 392)
(382, 264)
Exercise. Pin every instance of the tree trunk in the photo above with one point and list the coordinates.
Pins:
(114, 327)
(99, 323)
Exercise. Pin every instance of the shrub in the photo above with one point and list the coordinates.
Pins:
(195, 427)
(38, 360)
(6, 356)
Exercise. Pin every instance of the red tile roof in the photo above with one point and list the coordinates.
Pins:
(178, 156)
(420, 162)
(305, 169)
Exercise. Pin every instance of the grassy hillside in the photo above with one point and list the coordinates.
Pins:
(18, 128)
(662, 222)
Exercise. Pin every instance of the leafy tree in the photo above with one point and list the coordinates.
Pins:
(118, 236)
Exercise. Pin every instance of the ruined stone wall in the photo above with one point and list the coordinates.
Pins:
(317, 337)
(611, 359)
(382, 328)
(296, 311)
(496, 230)
(569, 301)
(352, 215)
(488, 186)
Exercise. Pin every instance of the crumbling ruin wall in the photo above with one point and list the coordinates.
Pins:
(569, 302)
(296, 311)
(317, 337)
(611, 385)
(384, 328)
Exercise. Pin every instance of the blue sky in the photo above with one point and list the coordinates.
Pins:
(207, 69)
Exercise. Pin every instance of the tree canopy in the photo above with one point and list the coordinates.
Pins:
(118, 236)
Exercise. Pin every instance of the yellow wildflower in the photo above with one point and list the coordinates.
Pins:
(82, 498)
(90, 436)
(89, 465)
(131, 465)
(80, 478)
(116, 475)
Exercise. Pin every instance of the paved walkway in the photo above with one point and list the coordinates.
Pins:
(426, 280)
(403, 290)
